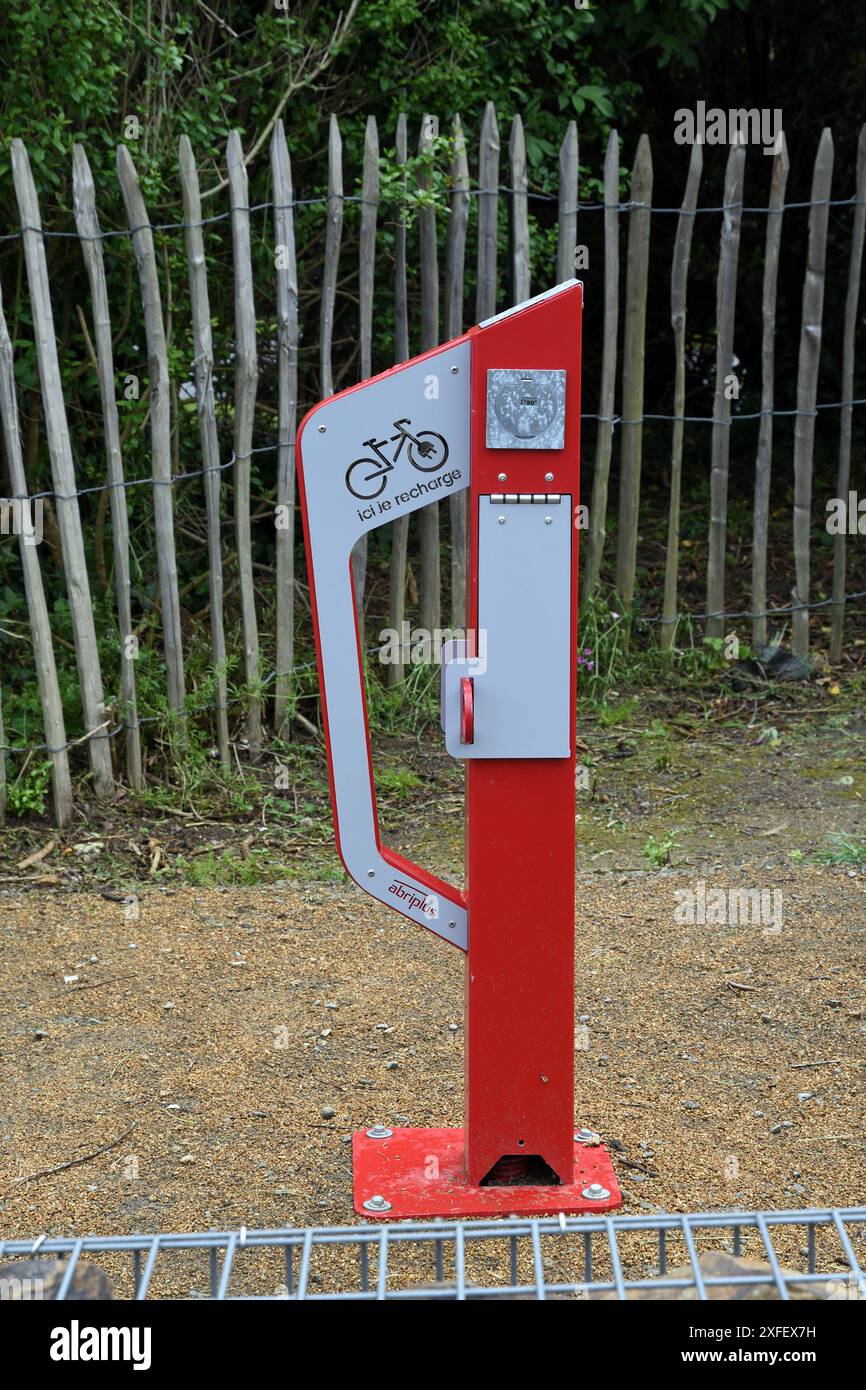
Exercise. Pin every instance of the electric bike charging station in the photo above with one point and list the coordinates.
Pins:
(495, 412)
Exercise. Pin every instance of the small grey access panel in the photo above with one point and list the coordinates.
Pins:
(520, 676)
(525, 409)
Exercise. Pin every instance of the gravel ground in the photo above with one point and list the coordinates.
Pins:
(223, 1026)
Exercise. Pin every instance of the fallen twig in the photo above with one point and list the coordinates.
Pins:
(98, 984)
(824, 1062)
(74, 1162)
(306, 724)
(36, 858)
(824, 1138)
(34, 880)
(640, 1167)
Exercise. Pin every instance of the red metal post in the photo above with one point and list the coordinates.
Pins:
(520, 843)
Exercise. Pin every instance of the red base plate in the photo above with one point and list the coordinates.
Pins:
(420, 1172)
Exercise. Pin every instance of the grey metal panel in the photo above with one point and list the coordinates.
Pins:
(434, 396)
(525, 408)
(522, 683)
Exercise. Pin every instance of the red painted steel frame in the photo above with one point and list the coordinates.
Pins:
(520, 816)
(520, 881)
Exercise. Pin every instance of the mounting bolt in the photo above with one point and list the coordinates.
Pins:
(503, 477)
(501, 520)
(594, 1193)
(454, 371)
(587, 1136)
(376, 1203)
(371, 873)
(379, 1132)
(547, 520)
(548, 477)
(322, 429)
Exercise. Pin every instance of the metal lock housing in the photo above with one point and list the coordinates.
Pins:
(525, 409)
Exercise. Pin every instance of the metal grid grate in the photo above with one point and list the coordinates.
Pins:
(368, 1267)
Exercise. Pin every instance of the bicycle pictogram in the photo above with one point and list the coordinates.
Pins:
(427, 451)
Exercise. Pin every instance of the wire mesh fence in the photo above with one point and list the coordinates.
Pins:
(612, 1257)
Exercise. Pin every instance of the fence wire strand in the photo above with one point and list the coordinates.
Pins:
(323, 199)
(614, 421)
(648, 621)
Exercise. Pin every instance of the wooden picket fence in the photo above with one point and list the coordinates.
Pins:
(501, 188)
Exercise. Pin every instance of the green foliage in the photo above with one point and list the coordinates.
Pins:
(28, 794)
(616, 658)
(707, 658)
(844, 849)
(193, 777)
(624, 654)
(424, 181)
(408, 707)
(659, 734)
(609, 716)
(231, 870)
(397, 782)
(657, 852)
(105, 74)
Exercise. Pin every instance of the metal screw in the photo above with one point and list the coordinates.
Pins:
(547, 520)
(454, 371)
(452, 924)
(503, 477)
(371, 873)
(322, 429)
(548, 477)
(501, 520)
(379, 1132)
(587, 1136)
(594, 1193)
(376, 1203)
